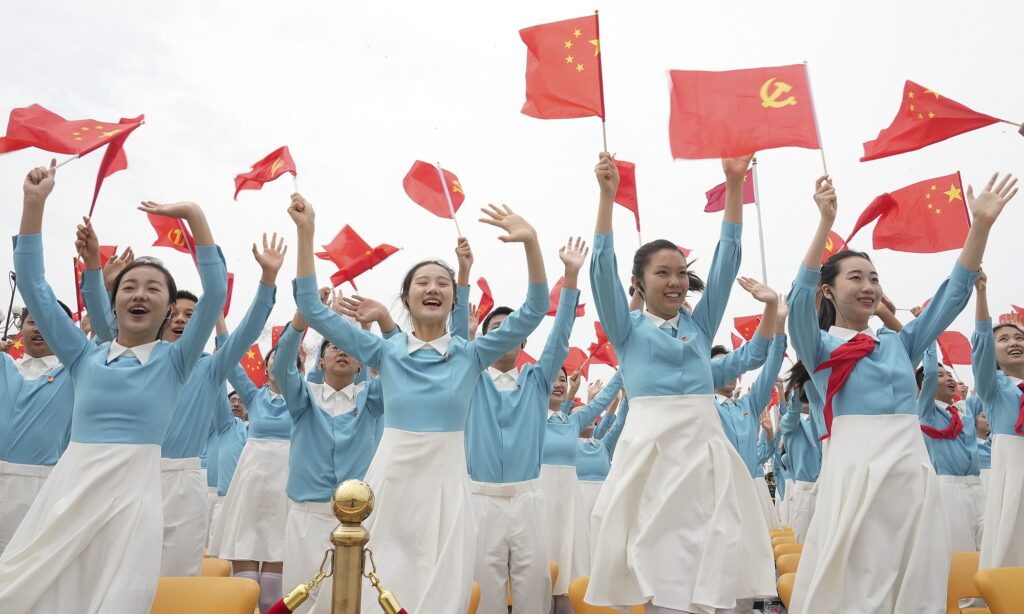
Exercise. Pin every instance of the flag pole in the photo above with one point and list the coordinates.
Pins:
(295, 180)
(600, 78)
(74, 157)
(760, 227)
(814, 111)
(448, 196)
(1006, 121)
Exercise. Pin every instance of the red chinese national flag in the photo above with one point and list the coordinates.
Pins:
(17, 349)
(737, 112)
(252, 362)
(956, 349)
(275, 335)
(746, 326)
(524, 359)
(277, 163)
(626, 194)
(423, 185)
(575, 361)
(106, 253)
(833, 245)
(563, 69)
(173, 233)
(486, 303)
(602, 353)
(736, 341)
(35, 126)
(716, 195)
(556, 294)
(353, 256)
(926, 217)
(924, 118)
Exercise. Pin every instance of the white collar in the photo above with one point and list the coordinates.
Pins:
(141, 352)
(724, 399)
(660, 322)
(960, 406)
(337, 402)
(846, 334)
(557, 414)
(512, 373)
(31, 367)
(439, 345)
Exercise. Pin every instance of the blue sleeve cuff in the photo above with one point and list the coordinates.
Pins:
(305, 285)
(28, 244)
(983, 326)
(219, 341)
(731, 232)
(759, 343)
(569, 296)
(266, 294)
(538, 293)
(462, 293)
(807, 278)
(604, 240)
(961, 275)
(209, 254)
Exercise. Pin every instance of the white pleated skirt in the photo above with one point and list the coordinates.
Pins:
(1002, 544)
(765, 503)
(878, 540)
(90, 542)
(565, 523)
(677, 522)
(783, 507)
(801, 497)
(422, 530)
(250, 524)
(589, 490)
(307, 536)
(19, 486)
(186, 519)
(964, 500)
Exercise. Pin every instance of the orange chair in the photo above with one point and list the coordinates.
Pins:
(215, 568)
(782, 549)
(961, 582)
(786, 531)
(474, 597)
(787, 563)
(578, 588)
(205, 596)
(787, 539)
(1002, 588)
(552, 568)
(785, 586)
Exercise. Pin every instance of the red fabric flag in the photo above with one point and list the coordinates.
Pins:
(924, 118)
(626, 193)
(563, 69)
(746, 326)
(254, 367)
(833, 246)
(556, 294)
(79, 302)
(716, 195)
(736, 341)
(576, 360)
(106, 253)
(775, 398)
(277, 163)
(602, 353)
(423, 185)
(114, 159)
(737, 112)
(275, 335)
(926, 217)
(17, 349)
(956, 349)
(486, 303)
(353, 256)
(686, 252)
(524, 359)
(173, 233)
(35, 126)
(231, 287)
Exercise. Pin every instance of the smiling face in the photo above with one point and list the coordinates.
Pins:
(142, 302)
(338, 365)
(237, 409)
(35, 345)
(181, 313)
(559, 389)
(1009, 347)
(946, 390)
(665, 283)
(855, 292)
(431, 294)
(981, 425)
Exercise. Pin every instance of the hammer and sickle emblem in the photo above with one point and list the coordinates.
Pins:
(829, 245)
(772, 100)
(276, 165)
(174, 236)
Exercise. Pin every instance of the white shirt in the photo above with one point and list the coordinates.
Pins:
(557, 414)
(504, 380)
(661, 323)
(846, 334)
(32, 367)
(141, 352)
(723, 399)
(336, 402)
(440, 345)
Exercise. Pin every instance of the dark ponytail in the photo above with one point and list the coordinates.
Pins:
(798, 378)
(642, 258)
(829, 273)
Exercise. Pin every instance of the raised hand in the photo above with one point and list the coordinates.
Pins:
(981, 284)
(326, 295)
(115, 265)
(825, 198)
(301, 212)
(573, 254)
(271, 258)
(916, 311)
(593, 389)
(363, 310)
(736, 168)
(87, 245)
(782, 313)
(987, 206)
(179, 210)
(474, 322)
(766, 420)
(607, 175)
(464, 256)
(574, 385)
(517, 229)
(758, 290)
(40, 181)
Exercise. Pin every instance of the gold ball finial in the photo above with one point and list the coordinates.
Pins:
(352, 501)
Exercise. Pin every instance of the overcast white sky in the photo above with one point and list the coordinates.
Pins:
(358, 91)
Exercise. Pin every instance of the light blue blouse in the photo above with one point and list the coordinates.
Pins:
(35, 415)
(998, 392)
(803, 450)
(594, 455)
(229, 449)
(562, 432)
(958, 457)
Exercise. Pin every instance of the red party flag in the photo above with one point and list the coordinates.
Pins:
(716, 195)
(252, 362)
(737, 112)
(231, 287)
(563, 69)
(923, 218)
(423, 185)
(275, 164)
(924, 118)
(353, 256)
(1019, 310)
(556, 294)
(80, 303)
(775, 398)
(956, 349)
(486, 303)
(576, 360)
(833, 245)
(17, 349)
(524, 359)
(172, 232)
(602, 353)
(746, 326)
(736, 341)
(626, 193)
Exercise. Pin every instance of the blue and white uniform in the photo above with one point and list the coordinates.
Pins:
(678, 496)
(334, 436)
(878, 539)
(106, 558)
(594, 454)
(1002, 544)
(955, 460)
(803, 458)
(230, 441)
(422, 528)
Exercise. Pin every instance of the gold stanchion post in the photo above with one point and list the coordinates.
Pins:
(352, 502)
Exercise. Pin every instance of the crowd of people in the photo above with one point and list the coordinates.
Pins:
(123, 456)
